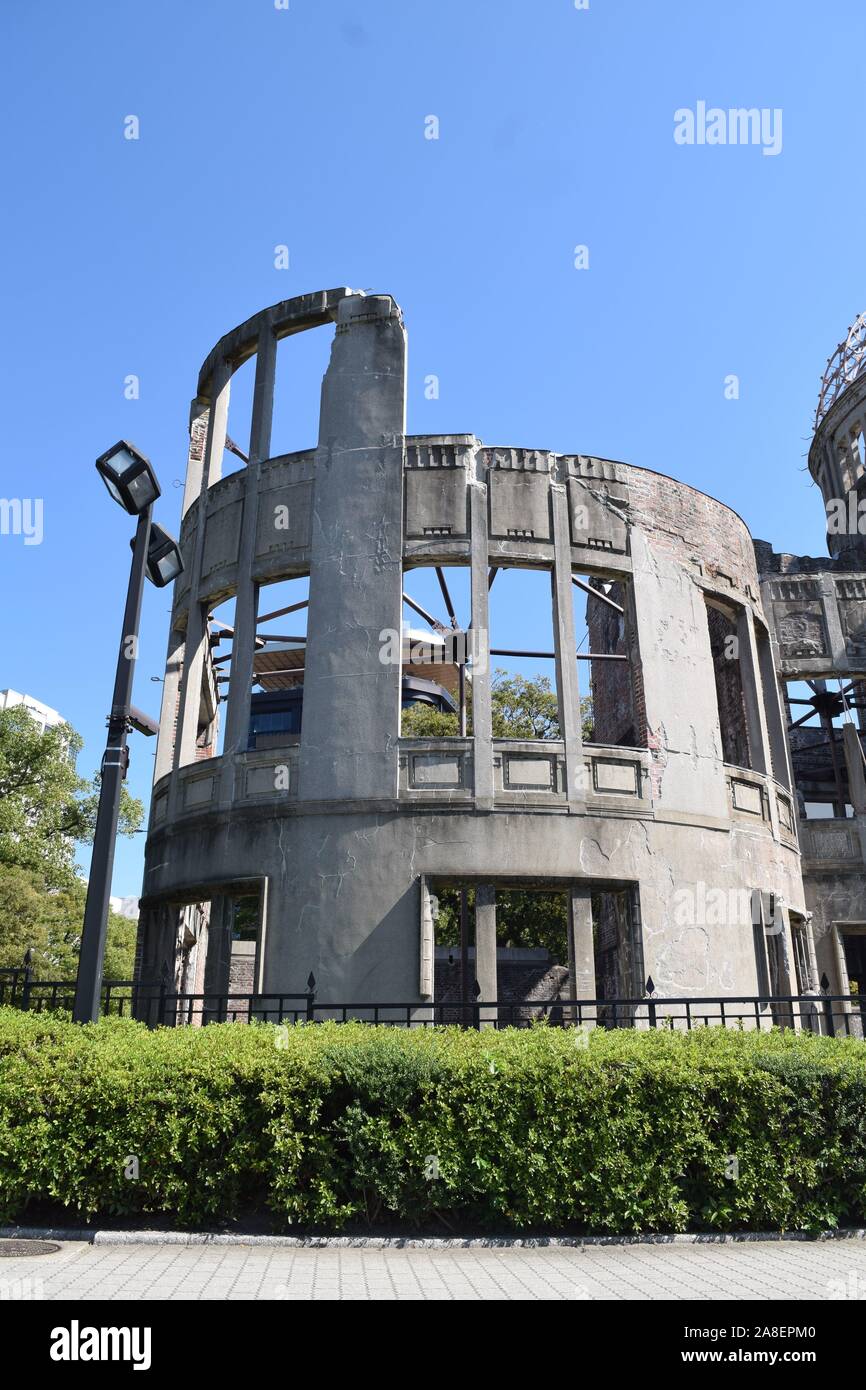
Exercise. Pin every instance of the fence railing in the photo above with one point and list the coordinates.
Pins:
(20, 990)
(159, 1005)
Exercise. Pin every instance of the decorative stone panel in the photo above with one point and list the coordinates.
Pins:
(614, 775)
(436, 770)
(197, 791)
(519, 488)
(851, 598)
(527, 772)
(748, 797)
(597, 502)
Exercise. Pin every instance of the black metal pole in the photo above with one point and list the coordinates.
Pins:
(88, 986)
(464, 951)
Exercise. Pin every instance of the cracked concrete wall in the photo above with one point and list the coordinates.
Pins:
(343, 843)
(351, 698)
(679, 689)
(344, 894)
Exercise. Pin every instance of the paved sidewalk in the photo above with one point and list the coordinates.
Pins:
(750, 1270)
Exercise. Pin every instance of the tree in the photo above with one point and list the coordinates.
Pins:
(521, 708)
(45, 810)
(538, 920)
(45, 807)
(423, 721)
(49, 923)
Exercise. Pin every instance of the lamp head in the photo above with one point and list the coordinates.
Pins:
(129, 477)
(164, 560)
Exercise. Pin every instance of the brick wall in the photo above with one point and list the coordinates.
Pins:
(692, 527)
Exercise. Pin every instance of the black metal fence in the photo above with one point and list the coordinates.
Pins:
(159, 1005)
(19, 990)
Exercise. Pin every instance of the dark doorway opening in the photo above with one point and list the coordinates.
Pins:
(854, 946)
(542, 948)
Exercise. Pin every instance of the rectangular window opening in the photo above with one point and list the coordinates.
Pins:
(609, 675)
(524, 694)
(277, 696)
(730, 698)
(434, 653)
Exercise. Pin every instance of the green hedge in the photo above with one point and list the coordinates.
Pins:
(327, 1125)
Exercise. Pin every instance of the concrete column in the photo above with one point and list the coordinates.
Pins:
(351, 720)
(219, 951)
(813, 955)
(485, 948)
(168, 714)
(756, 717)
(838, 659)
(683, 733)
(246, 597)
(854, 761)
(789, 982)
(199, 417)
(196, 633)
(169, 719)
(581, 947)
(834, 471)
(780, 763)
(844, 984)
(482, 735)
(429, 907)
(759, 739)
(567, 684)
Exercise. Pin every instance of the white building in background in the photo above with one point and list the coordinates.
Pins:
(45, 716)
(125, 907)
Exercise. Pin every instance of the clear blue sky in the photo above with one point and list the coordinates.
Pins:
(261, 126)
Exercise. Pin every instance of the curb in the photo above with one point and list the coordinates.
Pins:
(99, 1237)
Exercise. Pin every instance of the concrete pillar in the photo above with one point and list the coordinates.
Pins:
(351, 720)
(780, 763)
(581, 946)
(169, 718)
(219, 952)
(485, 948)
(168, 714)
(759, 739)
(199, 418)
(480, 624)
(842, 984)
(854, 762)
(813, 955)
(788, 968)
(246, 597)
(196, 632)
(834, 471)
(756, 715)
(838, 660)
(567, 684)
(429, 908)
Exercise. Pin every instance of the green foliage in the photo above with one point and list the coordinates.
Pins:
(332, 1124)
(49, 922)
(533, 919)
(521, 708)
(522, 919)
(524, 708)
(45, 807)
(423, 721)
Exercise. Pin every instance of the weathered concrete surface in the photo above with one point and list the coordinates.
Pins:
(351, 698)
(338, 829)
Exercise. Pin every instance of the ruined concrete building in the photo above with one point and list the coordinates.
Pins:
(700, 816)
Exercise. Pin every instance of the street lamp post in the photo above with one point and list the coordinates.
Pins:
(132, 483)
